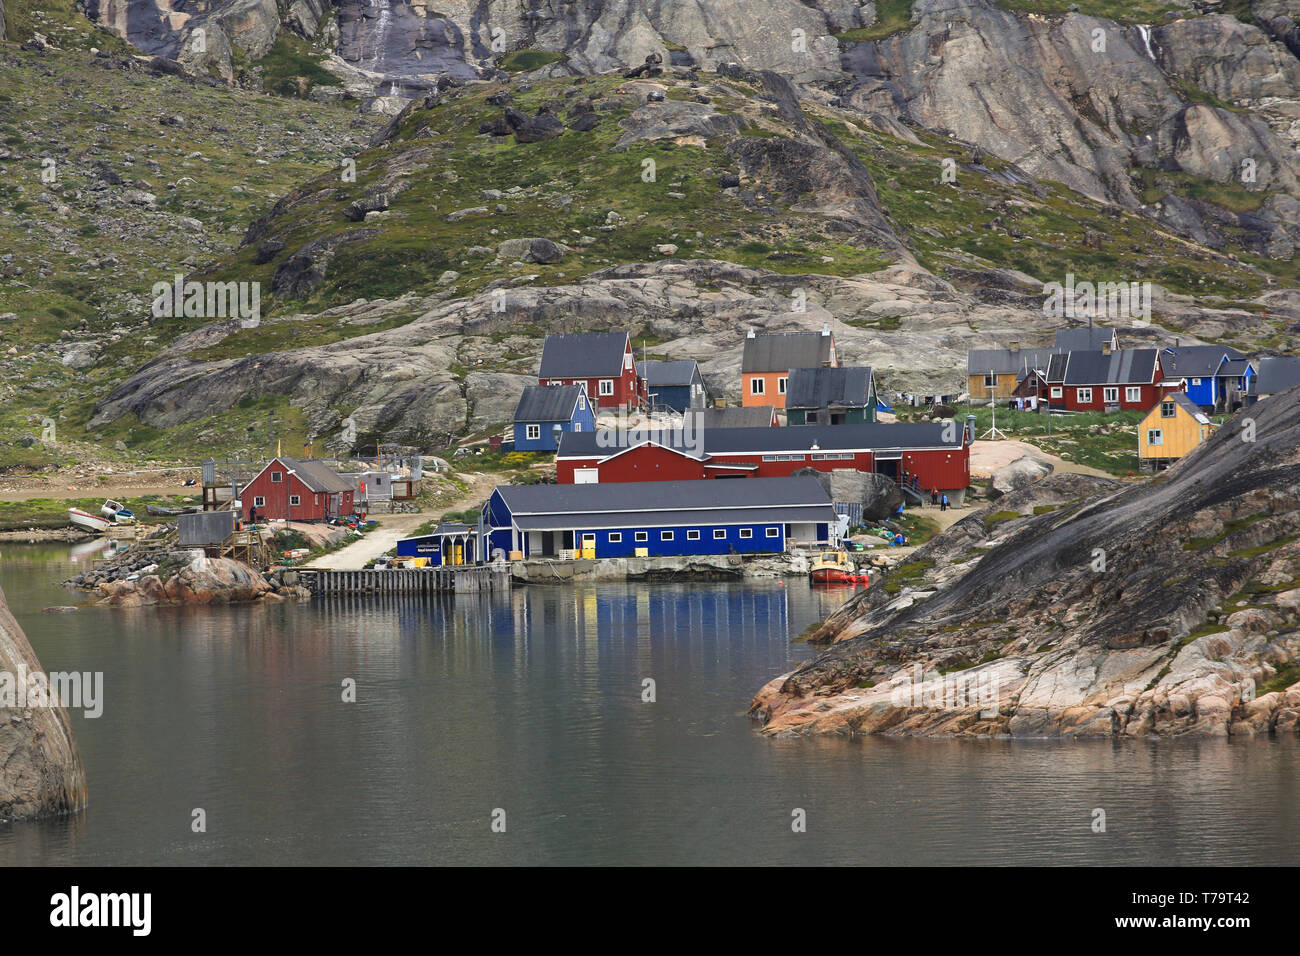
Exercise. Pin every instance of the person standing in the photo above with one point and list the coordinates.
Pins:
(934, 496)
(943, 503)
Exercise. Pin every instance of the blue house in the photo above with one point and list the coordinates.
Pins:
(544, 410)
(659, 518)
(1202, 369)
(677, 385)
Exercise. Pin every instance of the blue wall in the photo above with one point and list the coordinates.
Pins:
(546, 442)
(676, 397)
(1206, 393)
(679, 545)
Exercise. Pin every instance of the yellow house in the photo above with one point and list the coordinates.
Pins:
(992, 374)
(1170, 430)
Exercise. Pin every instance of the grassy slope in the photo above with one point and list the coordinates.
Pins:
(252, 148)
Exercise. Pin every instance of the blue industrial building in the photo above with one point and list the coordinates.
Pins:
(450, 543)
(615, 520)
(544, 411)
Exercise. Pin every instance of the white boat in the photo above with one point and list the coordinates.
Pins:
(113, 511)
(84, 519)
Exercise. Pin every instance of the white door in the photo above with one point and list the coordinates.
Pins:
(586, 476)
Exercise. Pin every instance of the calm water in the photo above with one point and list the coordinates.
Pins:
(531, 702)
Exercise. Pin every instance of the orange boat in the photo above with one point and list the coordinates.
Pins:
(836, 567)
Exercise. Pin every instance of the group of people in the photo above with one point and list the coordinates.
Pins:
(914, 482)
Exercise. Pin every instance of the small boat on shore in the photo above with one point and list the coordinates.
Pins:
(113, 511)
(835, 567)
(84, 519)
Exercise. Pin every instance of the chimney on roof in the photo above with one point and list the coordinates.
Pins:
(749, 334)
(1105, 347)
(826, 329)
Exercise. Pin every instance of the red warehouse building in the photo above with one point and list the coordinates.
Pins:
(937, 453)
(600, 363)
(297, 491)
(1082, 381)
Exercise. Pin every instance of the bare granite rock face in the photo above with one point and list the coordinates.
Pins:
(1165, 607)
(41, 772)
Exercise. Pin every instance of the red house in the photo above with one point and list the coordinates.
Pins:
(937, 453)
(1085, 381)
(297, 491)
(600, 363)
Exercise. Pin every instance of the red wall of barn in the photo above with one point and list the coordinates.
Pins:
(312, 506)
(947, 469)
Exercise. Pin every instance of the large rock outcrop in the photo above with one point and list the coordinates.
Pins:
(199, 581)
(41, 772)
(1166, 607)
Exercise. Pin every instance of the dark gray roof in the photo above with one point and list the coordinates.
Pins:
(1235, 368)
(1277, 374)
(624, 504)
(824, 387)
(733, 416)
(1195, 361)
(1087, 339)
(791, 438)
(780, 351)
(318, 476)
(668, 374)
(547, 403)
(1125, 367)
(581, 354)
(1002, 361)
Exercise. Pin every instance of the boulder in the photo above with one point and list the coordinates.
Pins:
(41, 772)
(879, 495)
(533, 249)
(1019, 473)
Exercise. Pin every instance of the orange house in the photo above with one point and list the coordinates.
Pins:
(768, 359)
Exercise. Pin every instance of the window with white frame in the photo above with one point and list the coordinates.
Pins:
(1155, 436)
(277, 477)
(1133, 393)
(780, 384)
(719, 533)
(607, 386)
(582, 402)
(259, 502)
(774, 532)
(665, 536)
(990, 381)
(1083, 394)
(643, 536)
(1057, 392)
(615, 537)
(747, 532)
(295, 500)
(577, 426)
(693, 535)
(1110, 394)
(757, 386)
(533, 431)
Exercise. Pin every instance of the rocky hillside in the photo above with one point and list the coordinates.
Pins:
(487, 215)
(1081, 607)
(41, 772)
(908, 173)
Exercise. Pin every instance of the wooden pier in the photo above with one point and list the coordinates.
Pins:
(406, 581)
